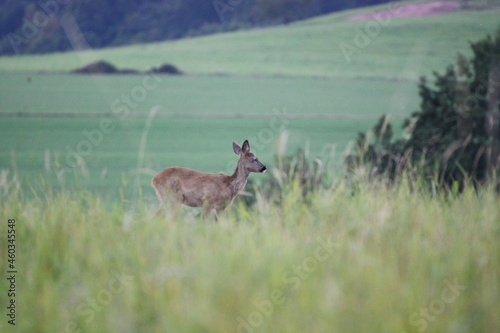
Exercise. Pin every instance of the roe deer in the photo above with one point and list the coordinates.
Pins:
(208, 191)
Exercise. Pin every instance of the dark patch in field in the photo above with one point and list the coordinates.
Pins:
(104, 67)
(166, 69)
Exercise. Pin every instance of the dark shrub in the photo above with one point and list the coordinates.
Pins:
(454, 135)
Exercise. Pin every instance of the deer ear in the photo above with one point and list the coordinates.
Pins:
(236, 148)
(246, 147)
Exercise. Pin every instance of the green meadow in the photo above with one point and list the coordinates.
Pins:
(49, 118)
(237, 84)
(205, 95)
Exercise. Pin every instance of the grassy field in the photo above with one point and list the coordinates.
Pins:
(271, 72)
(402, 48)
(198, 96)
(376, 260)
(197, 121)
(91, 258)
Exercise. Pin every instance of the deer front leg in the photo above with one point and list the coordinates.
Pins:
(206, 210)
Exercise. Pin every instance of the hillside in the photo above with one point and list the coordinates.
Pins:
(29, 27)
(328, 46)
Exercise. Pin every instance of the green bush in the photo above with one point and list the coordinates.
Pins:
(295, 172)
(454, 137)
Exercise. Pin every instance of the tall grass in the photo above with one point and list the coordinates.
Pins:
(380, 259)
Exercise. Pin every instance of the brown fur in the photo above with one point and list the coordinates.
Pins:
(209, 191)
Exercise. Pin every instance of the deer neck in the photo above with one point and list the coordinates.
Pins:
(239, 178)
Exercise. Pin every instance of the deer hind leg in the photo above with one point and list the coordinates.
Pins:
(170, 206)
(161, 199)
(170, 198)
(160, 209)
(172, 210)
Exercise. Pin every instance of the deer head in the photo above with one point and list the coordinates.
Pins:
(248, 161)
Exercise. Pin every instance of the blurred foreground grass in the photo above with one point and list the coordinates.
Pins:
(375, 260)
